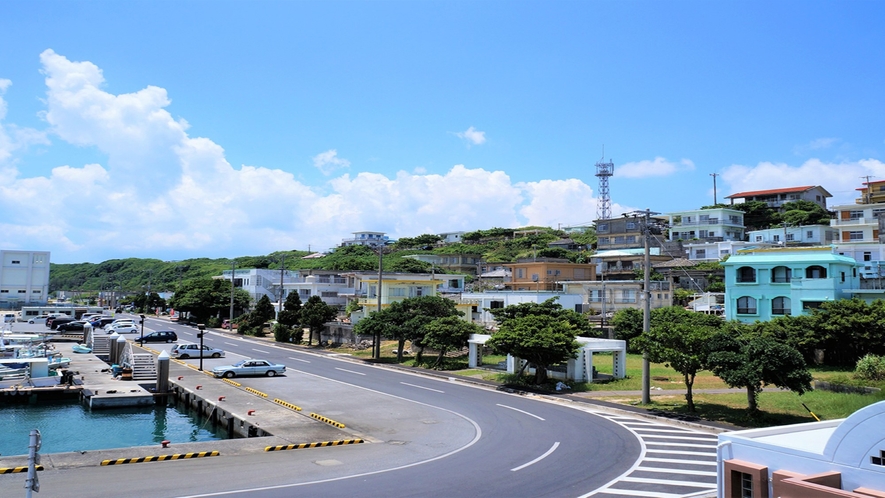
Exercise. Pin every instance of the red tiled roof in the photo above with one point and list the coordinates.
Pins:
(788, 190)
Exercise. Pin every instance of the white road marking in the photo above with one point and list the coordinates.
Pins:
(536, 460)
(677, 471)
(665, 482)
(261, 351)
(231, 344)
(349, 371)
(643, 494)
(520, 411)
(298, 359)
(422, 387)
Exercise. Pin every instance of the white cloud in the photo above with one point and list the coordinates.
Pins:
(328, 162)
(840, 179)
(13, 138)
(659, 166)
(472, 136)
(814, 145)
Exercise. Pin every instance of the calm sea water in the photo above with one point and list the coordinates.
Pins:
(74, 427)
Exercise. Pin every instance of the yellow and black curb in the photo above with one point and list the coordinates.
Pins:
(302, 446)
(256, 392)
(17, 470)
(287, 404)
(231, 382)
(160, 458)
(327, 420)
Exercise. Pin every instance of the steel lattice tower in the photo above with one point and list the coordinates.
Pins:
(604, 206)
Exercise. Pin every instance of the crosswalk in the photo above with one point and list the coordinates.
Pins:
(676, 462)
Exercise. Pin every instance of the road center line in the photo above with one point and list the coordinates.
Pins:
(536, 460)
(298, 359)
(231, 344)
(520, 411)
(260, 351)
(422, 387)
(349, 371)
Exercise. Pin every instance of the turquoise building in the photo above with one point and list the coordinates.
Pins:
(767, 283)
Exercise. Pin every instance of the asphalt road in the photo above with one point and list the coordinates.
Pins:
(428, 437)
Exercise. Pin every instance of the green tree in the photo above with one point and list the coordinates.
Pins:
(541, 340)
(628, 323)
(752, 361)
(406, 320)
(205, 297)
(757, 215)
(551, 308)
(847, 329)
(314, 314)
(679, 338)
(290, 318)
(802, 212)
(409, 265)
(448, 333)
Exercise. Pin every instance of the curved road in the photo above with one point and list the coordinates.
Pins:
(429, 437)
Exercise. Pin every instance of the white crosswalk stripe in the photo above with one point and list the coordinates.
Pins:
(666, 469)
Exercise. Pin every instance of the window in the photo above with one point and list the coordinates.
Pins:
(815, 271)
(16, 262)
(520, 273)
(855, 215)
(780, 306)
(843, 277)
(397, 292)
(810, 305)
(776, 238)
(809, 234)
(789, 237)
(36, 292)
(746, 274)
(734, 219)
(22, 291)
(603, 241)
(780, 275)
(38, 259)
(631, 225)
(496, 305)
(306, 292)
(700, 253)
(619, 239)
(867, 256)
(631, 239)
(602, 227)
(758, 238)
(855, 235)
(746, 305)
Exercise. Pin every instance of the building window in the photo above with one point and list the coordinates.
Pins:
(16, 262)
(631, 225)
(878, 460)
(602, 227)
(776, 238)
(811, 305)
(36, 292)
(855, 235)
(397, 292)
(746, 274)
(867, 256)
(520, 273)
(4, 291)
(789, 237)
(780, 306)
(855, 215)
(746, 305)
(780, 275)
(700, 253)
(306, 292)
(603, 241)
(619, 239)
(815, 271)
(22, 291)
(758, 238)
(631, 239)
(496, 305)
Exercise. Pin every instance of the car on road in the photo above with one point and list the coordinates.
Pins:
(122, 328)
(249, 366)
(53, 323)
(158, 336)
(185, 351)
(101, 322)
(226, 324)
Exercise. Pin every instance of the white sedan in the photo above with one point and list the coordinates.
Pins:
(184, 351)
(122, 328)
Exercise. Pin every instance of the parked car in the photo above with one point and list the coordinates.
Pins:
(226, 324)
(158, 336)
(249, 367)
(38, 319)
(122, 328)
(100, 323)
(184, 351)
(55, 322)
(118, 321)
(75, 326)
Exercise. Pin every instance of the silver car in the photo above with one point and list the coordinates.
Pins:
(184, 351)
(249, 367)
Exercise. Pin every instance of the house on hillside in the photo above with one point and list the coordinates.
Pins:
(764, 284)
(458, 263)
(707, 225)
(808, 235)
(548, 274)
(776, 198)
(398, 286)
(858, 223)
(370, 239)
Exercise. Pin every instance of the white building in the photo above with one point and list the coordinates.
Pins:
(808, 235)
(715, 251)
(370, 239)
(333, 289)
(451, 237)
(481, 301)
(24, 278)
(835, 458)
(710, 225)
(857, 223)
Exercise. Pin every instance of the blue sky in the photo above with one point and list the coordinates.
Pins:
(220, 129)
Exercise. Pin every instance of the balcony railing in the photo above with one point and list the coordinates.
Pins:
(854, 221)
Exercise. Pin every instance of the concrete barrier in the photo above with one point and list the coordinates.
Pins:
(256, 392)
(327, 420)
(287, 404)
(313, 445)
(160, 458)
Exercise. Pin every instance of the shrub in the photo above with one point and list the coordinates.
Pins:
(870, 367)
(213, 322)
(282, 333)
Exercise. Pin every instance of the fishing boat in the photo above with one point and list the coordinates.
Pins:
(59, 362)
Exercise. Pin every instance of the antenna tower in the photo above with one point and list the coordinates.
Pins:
(603, 171)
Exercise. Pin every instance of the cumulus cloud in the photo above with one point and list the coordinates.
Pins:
(327, 162)
(13, 138)
(472, 136)
(163, 193)
(840, 179)
(659, 166)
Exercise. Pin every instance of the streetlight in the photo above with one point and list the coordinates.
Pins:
(202, 328)
(142, 328)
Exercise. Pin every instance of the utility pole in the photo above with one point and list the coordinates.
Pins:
(646, 314)
(714, 175)
(233, 269)
(869, 193)
(282, 269)
(377, 346)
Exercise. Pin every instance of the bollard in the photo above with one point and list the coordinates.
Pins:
(221, 398)
(180, 377)
(199, 387)
(165, 443)
(251, 412)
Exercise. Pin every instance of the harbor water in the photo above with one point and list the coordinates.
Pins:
(71, 426)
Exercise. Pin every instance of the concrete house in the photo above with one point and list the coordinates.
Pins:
(767, 283)
(539, 274)
(808, 235)
(370, 239)
(857, 223)
(399, 286)
(707, 225)
(776, 198)
(24, 278)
